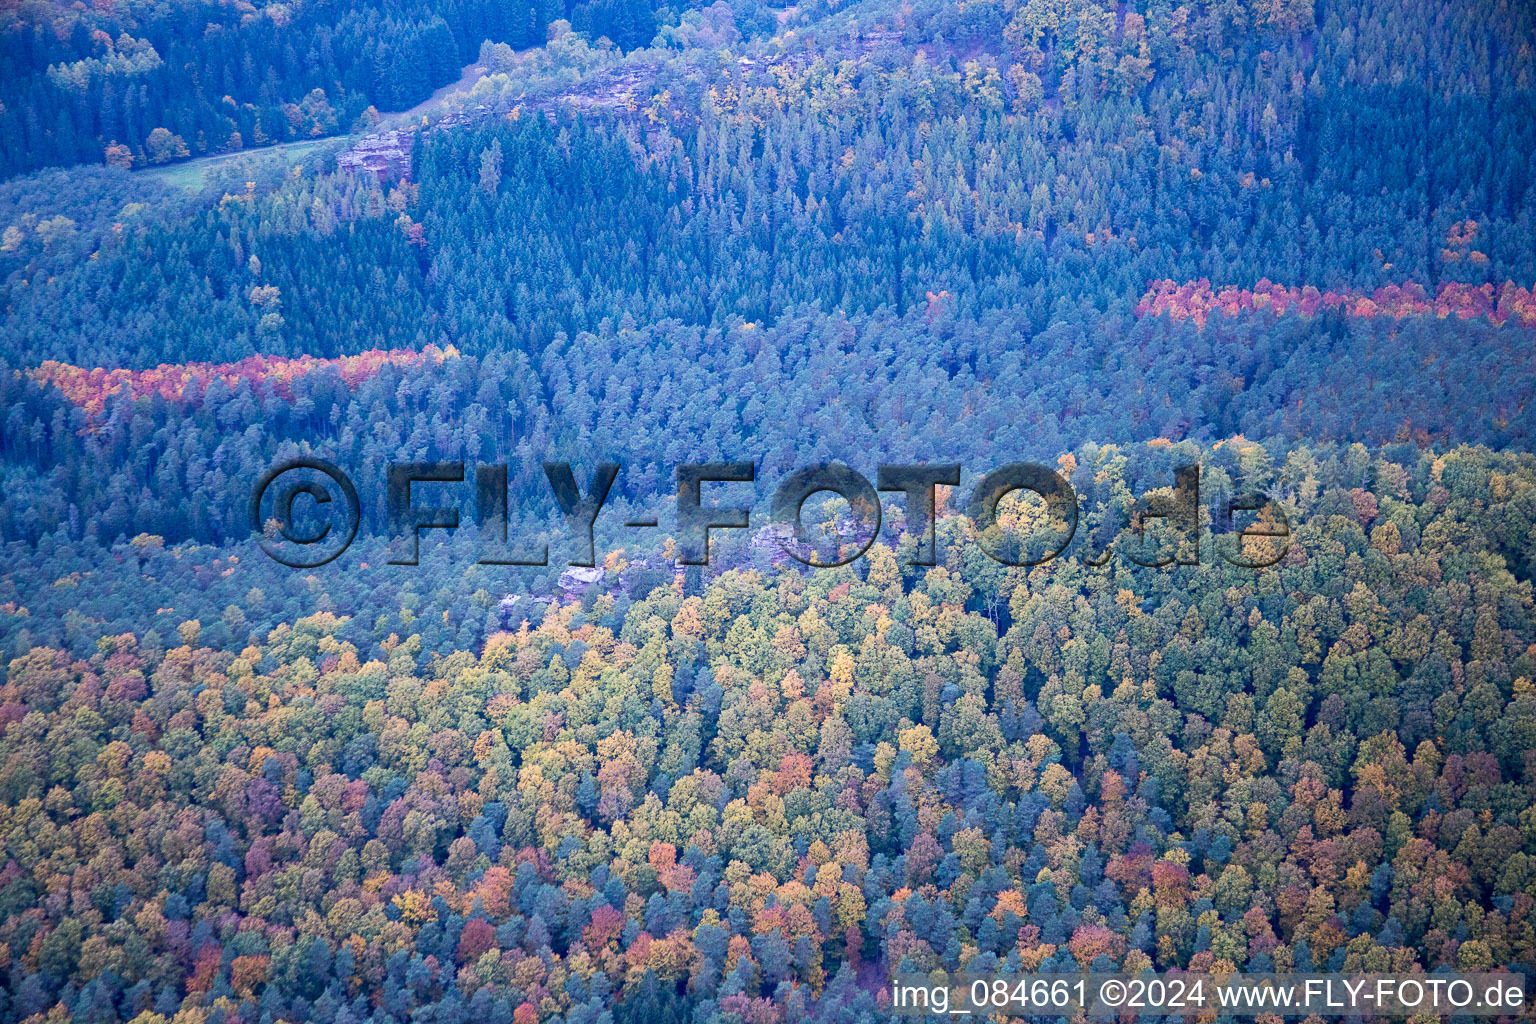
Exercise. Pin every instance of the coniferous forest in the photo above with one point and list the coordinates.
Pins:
(1284, 724)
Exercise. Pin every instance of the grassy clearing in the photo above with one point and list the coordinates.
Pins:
(192, 175)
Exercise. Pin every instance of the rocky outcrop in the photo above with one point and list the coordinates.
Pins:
(577, 580)
(386, 155)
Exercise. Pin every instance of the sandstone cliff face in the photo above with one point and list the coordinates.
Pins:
(387, 154)
(577, 580)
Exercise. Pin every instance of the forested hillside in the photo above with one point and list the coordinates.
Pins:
(1290, 242)
(892, 181)
(725, 804)
(132, 82)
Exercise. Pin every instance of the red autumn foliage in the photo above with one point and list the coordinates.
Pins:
(1134, 869)
(478, 937)
(795, 771)
(1196, 300)
(1170, 882)
(606, 925)
(1093, 940)
(936, 304)
(174, 382)
(206, 970)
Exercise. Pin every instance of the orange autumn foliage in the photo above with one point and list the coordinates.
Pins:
(90, 389)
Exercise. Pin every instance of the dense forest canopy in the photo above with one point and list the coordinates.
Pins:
(1288, 241)
(748, 793)
(133, 82)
